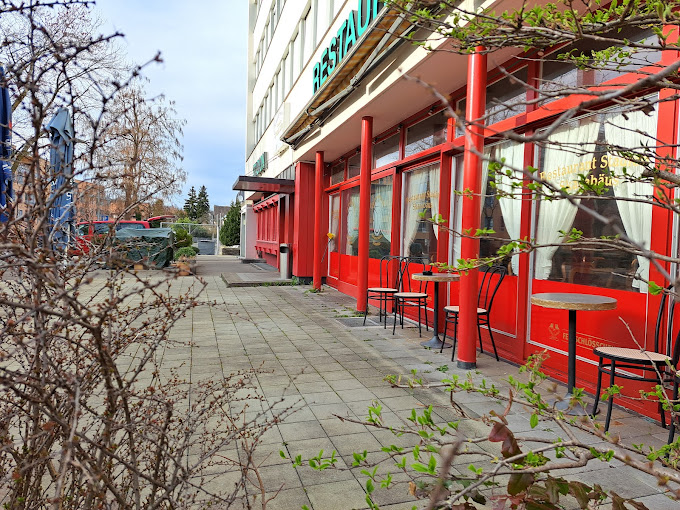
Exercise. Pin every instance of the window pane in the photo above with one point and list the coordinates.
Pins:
(354, 165)
(421, 196)
(309, 38)
(350, 206)
(334, 227)
(501, 214)
(338, 173)
(426, 134)
(597, 162)
(506, 98)
(557, 74)
(321, 19)
(386, 152)
(284, 77)
(380, 218)
(279, 88)
(297, 55)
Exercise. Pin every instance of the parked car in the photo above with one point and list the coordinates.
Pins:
(87, 232)
(156, 221)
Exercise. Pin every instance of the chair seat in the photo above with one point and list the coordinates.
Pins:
(456, 309)
(633, 355)
(410, 295)
(382, 289)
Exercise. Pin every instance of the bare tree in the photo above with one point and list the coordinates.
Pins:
(141, 149)
(89, 415)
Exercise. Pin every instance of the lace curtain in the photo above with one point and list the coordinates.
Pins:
(381, 204)
(433, 175)
(335, 223)
(417, 185)
(352, 220)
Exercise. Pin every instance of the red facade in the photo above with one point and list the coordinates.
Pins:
(368, 212)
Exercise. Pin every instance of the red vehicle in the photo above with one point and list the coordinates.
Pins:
(156, 221)
(87, 230)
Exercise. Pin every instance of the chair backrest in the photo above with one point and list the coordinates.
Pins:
(389, 271)
(410, 265)
(664, 322)
(489, 287)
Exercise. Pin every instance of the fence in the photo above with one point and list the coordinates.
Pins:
(205, 235)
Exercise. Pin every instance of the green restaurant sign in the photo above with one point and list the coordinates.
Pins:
(260, 165)
(350, 32)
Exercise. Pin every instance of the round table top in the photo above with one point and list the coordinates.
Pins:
(435, 277)
(573, 301)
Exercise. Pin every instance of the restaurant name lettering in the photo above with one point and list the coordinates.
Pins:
(422, 200)
(560, 176)
(350, 32)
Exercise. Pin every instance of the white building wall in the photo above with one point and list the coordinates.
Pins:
(322, 17)
(326, 18)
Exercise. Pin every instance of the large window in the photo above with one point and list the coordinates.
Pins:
(380, 236)
(421, 203)
(426, 134)
(591, 149)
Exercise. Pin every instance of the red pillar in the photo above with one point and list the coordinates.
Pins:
(318, 227)
(472, 180)
(364, 209)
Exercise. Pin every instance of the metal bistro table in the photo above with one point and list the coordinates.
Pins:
(572, 302)
(436, 278)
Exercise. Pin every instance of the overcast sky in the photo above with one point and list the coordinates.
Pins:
(203, 44)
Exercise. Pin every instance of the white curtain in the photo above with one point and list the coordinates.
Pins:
(382, 207)
(511, 208)
(417, 185)
(352, 220)
(636, 217)
(561, 166)
(433, 175)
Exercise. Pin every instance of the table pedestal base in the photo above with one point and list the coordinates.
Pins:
(577, 410)
(435, 343)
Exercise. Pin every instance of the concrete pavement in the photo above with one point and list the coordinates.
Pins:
(317, 358)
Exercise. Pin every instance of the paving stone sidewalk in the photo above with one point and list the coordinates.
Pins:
(317, 357)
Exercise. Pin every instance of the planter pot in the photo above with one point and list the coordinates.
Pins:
(185, 267)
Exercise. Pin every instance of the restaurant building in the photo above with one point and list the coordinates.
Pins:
(346, 136)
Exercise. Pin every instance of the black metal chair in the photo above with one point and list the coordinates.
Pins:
(491, 282)
(410, 295)
(641, 365)
(384, 292)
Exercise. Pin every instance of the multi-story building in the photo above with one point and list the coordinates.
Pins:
(347, 135)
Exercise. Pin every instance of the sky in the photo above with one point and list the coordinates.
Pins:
(203, 44)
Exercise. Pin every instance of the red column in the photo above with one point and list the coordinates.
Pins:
(364, 209)
(318, 227)
(472, 180)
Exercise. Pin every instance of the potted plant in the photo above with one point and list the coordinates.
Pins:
(185, 260)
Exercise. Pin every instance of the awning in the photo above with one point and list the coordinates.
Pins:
(387, 31)
(264, 184)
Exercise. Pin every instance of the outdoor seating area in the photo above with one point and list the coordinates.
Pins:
(404, 285)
